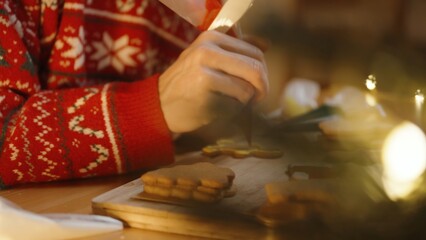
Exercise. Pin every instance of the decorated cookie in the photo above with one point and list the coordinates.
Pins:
(203, 181)
(238, 150)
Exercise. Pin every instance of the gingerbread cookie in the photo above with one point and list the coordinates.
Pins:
(236, 150)
(202, 173)
(201, 181)
(318, 190)
(297, 201)
(282, 214)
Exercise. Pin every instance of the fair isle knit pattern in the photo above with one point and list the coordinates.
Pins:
(79, 87)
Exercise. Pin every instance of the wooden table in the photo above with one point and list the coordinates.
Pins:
(75, 197)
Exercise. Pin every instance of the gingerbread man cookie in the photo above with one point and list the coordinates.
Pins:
(237, 150)
(201, 181)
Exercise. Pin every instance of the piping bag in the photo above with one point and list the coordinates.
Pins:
(213, 15)
(17, 223)
(199, 13)
(210, 14)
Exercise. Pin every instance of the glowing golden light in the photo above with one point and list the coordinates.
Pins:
(371, 100)
(371, 82)
(404, 160)
(419, 97)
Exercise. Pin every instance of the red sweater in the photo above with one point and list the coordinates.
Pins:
(78, 87)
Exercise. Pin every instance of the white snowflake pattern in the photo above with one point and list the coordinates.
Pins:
(149, 57)
(77, 50)
(1, 100)
(141, 9)
(59, 44)
(125, 5)
(13, 21)
(52, 4)
(116, 53)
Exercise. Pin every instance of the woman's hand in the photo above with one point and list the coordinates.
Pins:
(214, 77)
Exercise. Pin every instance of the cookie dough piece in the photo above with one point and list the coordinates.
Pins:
(225, 193)
(181, 193)
(205, 197)
(164, 177)
(157, 190)
(201, 194)
(237, 152)
(215, 177)
(186, 187)
(201, 181)
(234, 150)
(207, 190)
(187, 182)
(216, 183)
(202, 173)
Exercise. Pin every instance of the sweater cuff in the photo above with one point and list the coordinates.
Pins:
(145, 136)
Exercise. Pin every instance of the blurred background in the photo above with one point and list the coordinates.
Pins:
(341, 42)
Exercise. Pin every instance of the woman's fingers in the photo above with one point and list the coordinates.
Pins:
(213, 78)
(260, 43)
(231, 86)
(230, 44)
(240, 66)
(232, 56)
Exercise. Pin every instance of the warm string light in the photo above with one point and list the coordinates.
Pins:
(404, 160)
(419, 100)
(371, 84)
(404, 149)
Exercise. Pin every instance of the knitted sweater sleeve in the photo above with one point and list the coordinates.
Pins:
(70, 112)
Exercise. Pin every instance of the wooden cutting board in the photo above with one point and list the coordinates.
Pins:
(231, 218)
